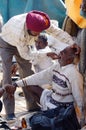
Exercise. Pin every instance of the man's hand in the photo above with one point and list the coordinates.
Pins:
(52, 55)
(10, 89)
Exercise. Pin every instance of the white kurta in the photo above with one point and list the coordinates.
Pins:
(41, 63)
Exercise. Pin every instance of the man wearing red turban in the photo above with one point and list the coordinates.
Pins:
(17, 34)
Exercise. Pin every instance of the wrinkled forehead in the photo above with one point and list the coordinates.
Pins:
(69, 50)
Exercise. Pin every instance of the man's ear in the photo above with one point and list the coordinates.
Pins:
(77, 48)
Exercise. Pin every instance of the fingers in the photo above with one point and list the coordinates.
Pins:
(9, 88)
(52, 55)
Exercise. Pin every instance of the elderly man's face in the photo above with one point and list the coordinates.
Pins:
(66, 56)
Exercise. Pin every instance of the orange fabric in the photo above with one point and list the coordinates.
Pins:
(73, 11)
(46, 21)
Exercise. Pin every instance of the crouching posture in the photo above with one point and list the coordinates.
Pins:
(66, 81)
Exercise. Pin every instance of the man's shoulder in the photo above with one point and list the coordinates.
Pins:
(19, 16)
(14, 22)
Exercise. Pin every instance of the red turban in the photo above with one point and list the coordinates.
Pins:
(37, 21)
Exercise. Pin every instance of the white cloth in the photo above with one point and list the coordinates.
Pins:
(54, 44)
(42, 63)
(45, 100)
(59, 34)
(64, 80)
(14, 33)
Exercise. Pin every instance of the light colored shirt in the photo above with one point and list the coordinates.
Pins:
(54, 44)
(41, 63)
(66, 82)
(59, 34)
(14, 33)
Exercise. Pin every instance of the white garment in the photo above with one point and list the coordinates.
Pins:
(42, 63)
(54, 44)
(14, 33)
(64, 80)
(45, 100)
(59, 34)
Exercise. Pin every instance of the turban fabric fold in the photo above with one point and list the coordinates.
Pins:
(37, 21)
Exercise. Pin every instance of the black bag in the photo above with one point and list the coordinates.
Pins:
(55, 119)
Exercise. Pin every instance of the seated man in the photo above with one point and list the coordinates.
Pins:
(66, 81)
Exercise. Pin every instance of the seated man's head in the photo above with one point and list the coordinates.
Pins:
(68, 56)
(36, 22)
(41, 42)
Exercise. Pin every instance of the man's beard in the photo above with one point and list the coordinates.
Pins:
(29, 32)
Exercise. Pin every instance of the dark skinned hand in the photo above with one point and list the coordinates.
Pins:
(52, 55)
(10, 89)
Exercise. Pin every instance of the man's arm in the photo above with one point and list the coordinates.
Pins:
(59, 34)
(41, 78)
